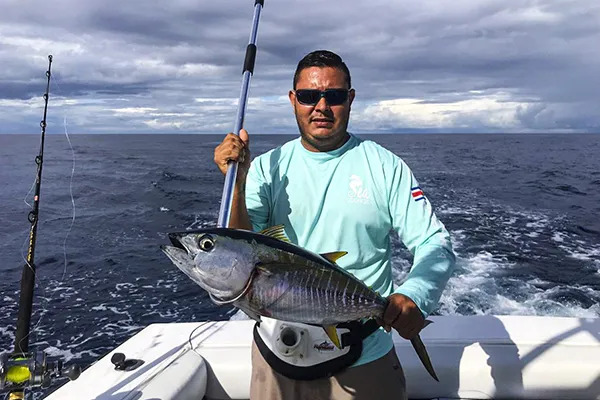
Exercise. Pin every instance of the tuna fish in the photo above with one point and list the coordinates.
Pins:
(263, 274)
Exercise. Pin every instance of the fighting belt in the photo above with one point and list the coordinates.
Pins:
(304, 352)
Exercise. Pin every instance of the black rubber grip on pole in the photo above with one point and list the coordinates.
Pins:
(261, 2)
(250, 57)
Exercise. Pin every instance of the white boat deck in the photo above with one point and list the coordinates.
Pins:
(475, 357)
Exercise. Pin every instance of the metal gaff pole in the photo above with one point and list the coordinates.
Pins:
(232, 167)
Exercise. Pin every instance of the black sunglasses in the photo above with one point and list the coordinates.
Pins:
(333, 97)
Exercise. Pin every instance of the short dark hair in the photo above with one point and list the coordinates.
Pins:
(322, 58)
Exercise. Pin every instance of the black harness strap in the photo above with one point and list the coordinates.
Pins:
(358, 332)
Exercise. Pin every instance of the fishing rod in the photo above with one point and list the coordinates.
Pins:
(23, 368)
(232, 166)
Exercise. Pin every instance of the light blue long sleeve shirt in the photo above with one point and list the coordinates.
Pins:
(351, 199)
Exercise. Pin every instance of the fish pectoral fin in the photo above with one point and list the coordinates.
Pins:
(263, 269)
(334, 256)
(331, 332)
(277, 232)
(427, 322)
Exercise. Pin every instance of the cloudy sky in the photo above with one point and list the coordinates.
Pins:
(174, 66)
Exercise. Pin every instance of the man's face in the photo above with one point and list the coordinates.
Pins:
(322, 125)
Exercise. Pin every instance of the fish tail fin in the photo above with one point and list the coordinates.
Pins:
(419, 347)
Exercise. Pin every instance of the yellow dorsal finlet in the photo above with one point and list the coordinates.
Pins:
(276, 232)
(334, 256)
(332, 335)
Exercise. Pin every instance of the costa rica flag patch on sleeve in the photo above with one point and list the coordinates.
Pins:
(417, 193)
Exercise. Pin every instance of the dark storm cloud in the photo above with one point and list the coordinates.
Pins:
(496, 65)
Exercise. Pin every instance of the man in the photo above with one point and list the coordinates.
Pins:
(336, 192)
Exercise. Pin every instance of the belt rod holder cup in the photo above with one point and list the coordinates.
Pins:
(291, 341)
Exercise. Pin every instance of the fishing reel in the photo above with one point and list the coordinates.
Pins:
(27, 370)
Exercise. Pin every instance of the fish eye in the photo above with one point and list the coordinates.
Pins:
(206, 243)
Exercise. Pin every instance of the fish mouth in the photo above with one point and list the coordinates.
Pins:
(176, 254)
(185, 241)
(182, 260)
(174, 238)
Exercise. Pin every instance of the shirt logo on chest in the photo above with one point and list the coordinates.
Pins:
(357, 193)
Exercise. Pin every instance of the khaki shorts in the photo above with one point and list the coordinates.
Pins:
(381, 379)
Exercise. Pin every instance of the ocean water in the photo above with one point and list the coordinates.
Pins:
(523, 212)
